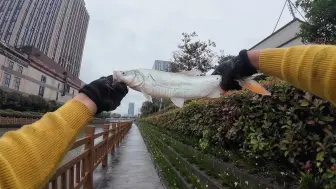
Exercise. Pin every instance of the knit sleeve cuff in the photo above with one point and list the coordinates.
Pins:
(75, 114)
(270, 62)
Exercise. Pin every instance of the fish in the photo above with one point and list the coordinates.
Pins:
(180, 86)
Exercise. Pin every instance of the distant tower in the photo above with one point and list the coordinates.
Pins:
(131, 109)
(161, 65)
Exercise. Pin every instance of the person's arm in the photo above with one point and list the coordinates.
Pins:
(29, 156)
(311, 67)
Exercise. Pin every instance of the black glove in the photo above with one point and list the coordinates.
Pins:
(234, 69)
(106, 96)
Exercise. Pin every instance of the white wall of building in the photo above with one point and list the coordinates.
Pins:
(30, 81)
(284, 37)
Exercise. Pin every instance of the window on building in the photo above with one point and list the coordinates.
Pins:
(68, 88)
(7, 38)
(10, 64)
(6, 80)
(41, 91)
(58, 86)
(43, 79)
(20, 69)
(16, 84)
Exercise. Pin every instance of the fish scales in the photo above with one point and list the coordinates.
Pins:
(179, 86)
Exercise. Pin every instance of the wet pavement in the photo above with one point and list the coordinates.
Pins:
(129, 167)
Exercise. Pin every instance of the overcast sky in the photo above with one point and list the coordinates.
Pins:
(130, 34)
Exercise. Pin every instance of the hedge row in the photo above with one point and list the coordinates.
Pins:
(174, 161)
(18, 102)
(17, 114)
(218, 171)
(290, 127)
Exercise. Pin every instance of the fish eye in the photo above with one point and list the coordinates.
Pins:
(124, 73)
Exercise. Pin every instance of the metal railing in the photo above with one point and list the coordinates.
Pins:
(78, 172)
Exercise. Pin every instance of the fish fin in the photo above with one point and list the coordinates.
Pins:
(254, 86)
(253, 76)
(179, 102)
(149, 98)
(216, 93)
(192, 72)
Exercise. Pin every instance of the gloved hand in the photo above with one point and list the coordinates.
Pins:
(106, 96)
(234, 69)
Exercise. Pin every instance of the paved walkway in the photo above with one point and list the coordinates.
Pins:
(130, 166)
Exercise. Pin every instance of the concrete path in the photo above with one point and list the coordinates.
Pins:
(130, 166)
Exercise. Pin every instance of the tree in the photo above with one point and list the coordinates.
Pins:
(148, 108)
(193, 54)
(223, 58)
(103, 115)
(320, 27)
(115, 115)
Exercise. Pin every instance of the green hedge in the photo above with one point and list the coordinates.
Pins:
(17, 114)
(291, 127)
(18, 102)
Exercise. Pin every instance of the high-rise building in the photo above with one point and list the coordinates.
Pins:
(56, 27)
(161, 65)
(131, 109)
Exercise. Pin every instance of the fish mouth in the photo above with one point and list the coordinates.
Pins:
(115, 75)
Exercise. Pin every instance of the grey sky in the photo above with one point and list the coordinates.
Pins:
(129, 34)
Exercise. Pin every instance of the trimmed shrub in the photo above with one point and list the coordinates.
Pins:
(12, 113)
(290, 127)
(18, 102)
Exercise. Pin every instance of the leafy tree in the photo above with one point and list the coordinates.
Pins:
(3, 97)
(38, 104)
(148, 108)
(223, 58)
(166, 102)
(103, 115)
(115, 115)
(193, 54)
(320, 27)
(12, 101)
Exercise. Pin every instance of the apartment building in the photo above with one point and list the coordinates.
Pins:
(131, 109)
(161, 65)
(29, 71)
(56, 27)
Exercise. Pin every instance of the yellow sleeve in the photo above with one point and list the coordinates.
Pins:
(29, 156)
(311, 68)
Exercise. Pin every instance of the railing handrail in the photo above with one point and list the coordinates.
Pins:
(78, 171)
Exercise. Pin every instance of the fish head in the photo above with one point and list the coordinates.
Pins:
(132, 78)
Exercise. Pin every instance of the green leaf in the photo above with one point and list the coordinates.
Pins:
(286, 153)
(320, 156)
(327, 118)
(285, 141)
(329, 174)
(332, 160)
(254, 141)
(304, 103)
(318, 164)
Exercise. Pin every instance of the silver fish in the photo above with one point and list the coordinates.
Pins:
(179, 87)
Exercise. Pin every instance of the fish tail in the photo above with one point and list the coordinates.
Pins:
(253, 86)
